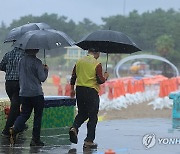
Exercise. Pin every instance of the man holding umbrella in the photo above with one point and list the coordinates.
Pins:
(87, 74)
(31, 73)
(9, 65)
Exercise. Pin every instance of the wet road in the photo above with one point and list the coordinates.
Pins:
(123, 136)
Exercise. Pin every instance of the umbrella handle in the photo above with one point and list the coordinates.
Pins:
(106, 61)
(44, 57)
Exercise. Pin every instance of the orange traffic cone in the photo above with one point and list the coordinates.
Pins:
(142, 88)
(60, 90)
(164, 88)
(130, 87)
(109, 151)
(67, 90)
(136, 86)
(116, 89)
(110, 92)
(56, 80)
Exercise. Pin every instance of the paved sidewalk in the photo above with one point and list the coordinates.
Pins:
(123, 136)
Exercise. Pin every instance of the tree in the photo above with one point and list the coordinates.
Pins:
(144, 29)
(3, 47)
(165, 45)
(85, 27)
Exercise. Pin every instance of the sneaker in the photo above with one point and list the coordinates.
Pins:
(73, 135)
(90, 145)
(13, 135)
(36, 143)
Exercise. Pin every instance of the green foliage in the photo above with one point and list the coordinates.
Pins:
(85, 27)
(151, 31)
(164, 45)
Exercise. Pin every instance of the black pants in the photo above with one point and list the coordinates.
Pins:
(12, 90)
(28, 104)
(88, 107)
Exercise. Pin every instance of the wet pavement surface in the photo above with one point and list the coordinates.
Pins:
(123, 136)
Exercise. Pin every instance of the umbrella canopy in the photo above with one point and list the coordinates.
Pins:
(17, 32)
(43, 39)
(108, 41)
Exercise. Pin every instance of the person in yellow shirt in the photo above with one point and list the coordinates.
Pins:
(87, 74)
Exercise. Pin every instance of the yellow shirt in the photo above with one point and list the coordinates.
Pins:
(86, 72)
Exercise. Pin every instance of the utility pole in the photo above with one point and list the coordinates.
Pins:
(124, 7)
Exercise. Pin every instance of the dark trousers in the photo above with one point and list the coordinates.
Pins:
(12, 90)
(88, 107)
(28, 104)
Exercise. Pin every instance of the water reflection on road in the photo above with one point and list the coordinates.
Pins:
(123, 136)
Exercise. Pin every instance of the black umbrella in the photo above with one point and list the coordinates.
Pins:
(17, 32)
(108, 41)
(43, 39)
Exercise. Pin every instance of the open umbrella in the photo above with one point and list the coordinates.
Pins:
(17, 32)
(43, 39)
(108, 41)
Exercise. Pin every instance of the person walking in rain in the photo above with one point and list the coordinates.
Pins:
(31, 73)
(87, 74)
(9, 65)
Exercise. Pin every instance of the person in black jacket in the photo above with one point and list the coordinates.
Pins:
(9, 65)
